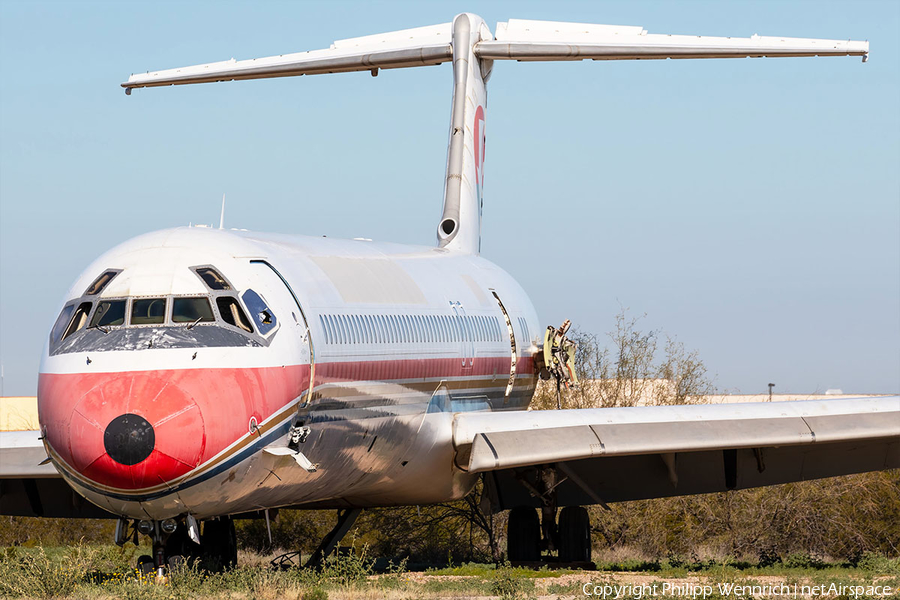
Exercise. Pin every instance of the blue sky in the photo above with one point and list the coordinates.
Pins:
(751, 208)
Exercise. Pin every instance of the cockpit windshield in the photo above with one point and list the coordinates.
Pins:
(148, 311)
(126, 322)
(192, 310)
(109, 313)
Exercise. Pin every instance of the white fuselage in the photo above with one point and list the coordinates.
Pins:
(373, 346)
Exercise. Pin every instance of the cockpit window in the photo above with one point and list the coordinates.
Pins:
(100, 283)
(261, 313)
(191, 310)
(61, 322)
(147, 311)
(109, 313)
(212, 278)
(232, 313)
(79, 319)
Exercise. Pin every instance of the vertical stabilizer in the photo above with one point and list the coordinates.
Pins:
(460, 226)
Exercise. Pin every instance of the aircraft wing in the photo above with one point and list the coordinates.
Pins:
(617, 454)
(525, 40)
(407, 48)
(30, 487)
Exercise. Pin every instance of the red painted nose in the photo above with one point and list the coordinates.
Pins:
(122, 430)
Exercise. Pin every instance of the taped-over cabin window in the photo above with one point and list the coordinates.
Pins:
(148, 311)
(232, 313)
(192, 310)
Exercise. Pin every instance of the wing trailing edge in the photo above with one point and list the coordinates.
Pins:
(524, 40)
(417, 47)
(487, 442)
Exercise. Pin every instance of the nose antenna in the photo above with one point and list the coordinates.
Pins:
(222, 214)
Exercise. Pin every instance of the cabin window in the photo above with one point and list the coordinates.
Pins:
(325, 329)
(338, 330)
(232, 313)
(370, 331)
(212, 278)
(190, 310)
(379, 326)
(332, 328)
(410, 337)
(62, 321)
(79, 319)
(109, 313)
(342, 329)
(357, 330)
(97, 286)
(260, 311)
(148, 311)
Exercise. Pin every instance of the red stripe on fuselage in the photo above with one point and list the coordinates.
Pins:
(198, 413)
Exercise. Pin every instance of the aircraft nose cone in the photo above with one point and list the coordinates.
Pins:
(129, 439)
(126, 431)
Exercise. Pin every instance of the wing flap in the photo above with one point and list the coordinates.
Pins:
(24, 456)
(508, 441)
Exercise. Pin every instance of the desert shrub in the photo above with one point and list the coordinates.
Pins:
(509, 583)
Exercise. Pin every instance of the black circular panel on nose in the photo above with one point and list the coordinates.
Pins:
(129, 439)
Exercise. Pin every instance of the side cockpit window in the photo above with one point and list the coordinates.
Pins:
(62, 322)
(97, 286)
(260, 312)
(109, 313)
(192, 310)
(232, 313)
(70, 320)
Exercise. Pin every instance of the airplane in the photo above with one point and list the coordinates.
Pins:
(197, 375)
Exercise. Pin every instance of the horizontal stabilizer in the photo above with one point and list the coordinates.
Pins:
(551, 41)
(408, 48)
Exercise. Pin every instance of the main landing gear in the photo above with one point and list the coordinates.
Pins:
(571, 537)
(179, 541)
(528, 537)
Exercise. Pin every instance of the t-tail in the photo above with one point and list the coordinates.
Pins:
(469, 44)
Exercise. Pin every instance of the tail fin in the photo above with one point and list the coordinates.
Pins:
(460, 226)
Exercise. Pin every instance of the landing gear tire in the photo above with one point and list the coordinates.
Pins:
(145, 565)
(180, 549)
(523, 535)
(574, 535)
(219, 544)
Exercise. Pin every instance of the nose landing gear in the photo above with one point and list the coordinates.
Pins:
(174, 544)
